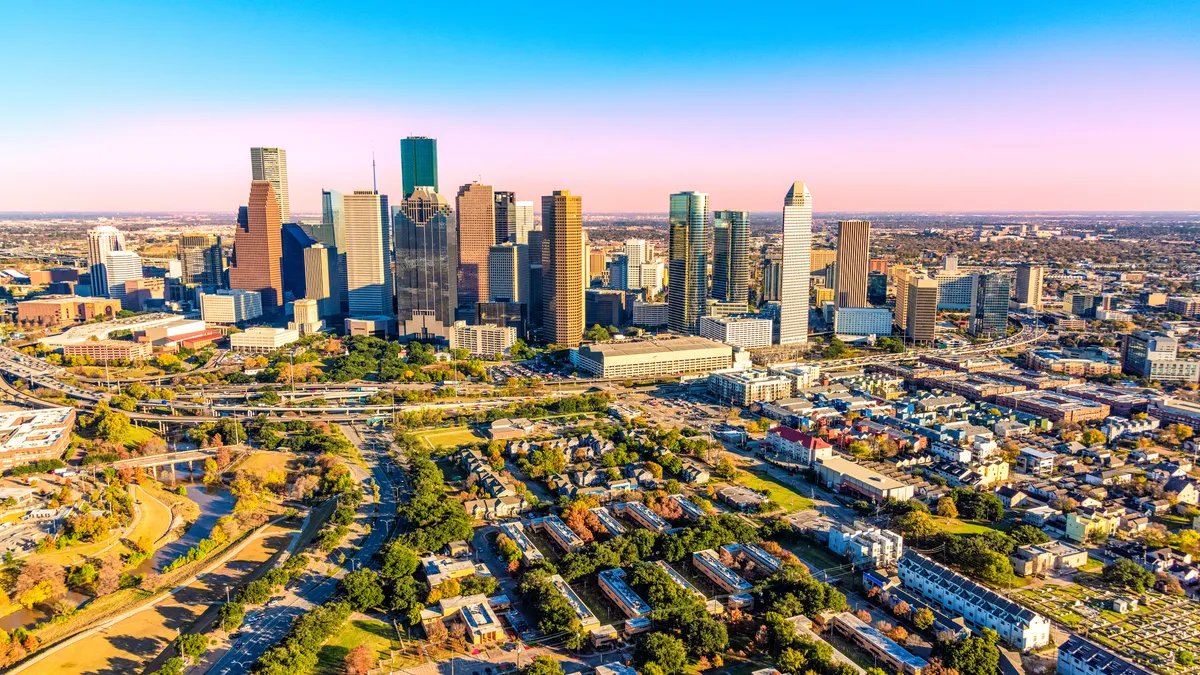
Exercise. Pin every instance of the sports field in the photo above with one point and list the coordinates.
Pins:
(442, 438)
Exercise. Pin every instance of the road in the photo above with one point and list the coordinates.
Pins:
(265, 627)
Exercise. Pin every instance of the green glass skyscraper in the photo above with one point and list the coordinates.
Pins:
(418, 163)
(688, 241)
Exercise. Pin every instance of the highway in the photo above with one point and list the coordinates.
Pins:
(266, 626)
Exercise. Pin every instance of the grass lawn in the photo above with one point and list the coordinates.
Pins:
(379, 636)
(781, 494)
(262, 462)
(956, 526)
(815, 554)
(136, 436)
(441, 438)
(1092, 565)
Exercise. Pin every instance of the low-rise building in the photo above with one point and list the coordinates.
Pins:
(484, 341)
(642, 515)
(751, 556)
(34, 435)
(863, 321)
(585, 616)
(439, 569)
(1078, 656)
(473, 611)
(262, 339)
(878, 645)
(1169, 411)
(562, 535)
(613, 583)
(744, 387)
(1084, 524)
(737, 331)
(230, 306)
(710, 565)
(650, 314)
(1058, 408)
(867, 546)
(1033, 559)
(846, 476)
(51, 311)
(796, 446)
(741, 498)
(1036, 462)
(652, 358)
(516, 532)
(105, 351)
(1020, 627)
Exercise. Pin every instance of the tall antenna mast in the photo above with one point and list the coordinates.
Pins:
(374, 180)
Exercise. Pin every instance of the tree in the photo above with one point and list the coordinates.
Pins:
(360, 660)
(1093, 437)
(792, 661)
(902, 609)
(665, 651)
(363, 590)
(212, 472)
(916, 524)
(1184, 658)
(972, 655)
(1181, 431)
(542, 665)
(1023, 535)
(232, 615)
(947, 508)
(1125, 572)
(192, 646)
(923, 618)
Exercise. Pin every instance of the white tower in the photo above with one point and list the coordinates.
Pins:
(797, 257)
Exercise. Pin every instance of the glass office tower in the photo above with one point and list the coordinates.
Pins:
(688, 240)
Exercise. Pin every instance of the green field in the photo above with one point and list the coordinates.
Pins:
(781, 494)
(956, 526)
(136, 436)
(443, 438)
(375, 634)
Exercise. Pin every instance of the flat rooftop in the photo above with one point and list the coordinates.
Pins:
(860, 473)
(646, 347)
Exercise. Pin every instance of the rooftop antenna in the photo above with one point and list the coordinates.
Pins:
(374, 180)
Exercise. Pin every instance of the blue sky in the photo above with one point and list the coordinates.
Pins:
(613, 85)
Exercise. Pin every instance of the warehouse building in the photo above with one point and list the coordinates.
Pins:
(846, 476)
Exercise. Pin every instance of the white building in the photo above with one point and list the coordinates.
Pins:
(868, 546)
(798, 447)
(230, 306)
(797, 253)
(803, 375)
(262, 339)
(1078, 656)
(650, 277)
(743, 387)
(482, 341)
(508, 273)
(525, 222)
(982, 607)
(955, 289)
(650, 314)
(739, 332)
(863, 321)
(119, 267)
(368, 254)
(101, 241)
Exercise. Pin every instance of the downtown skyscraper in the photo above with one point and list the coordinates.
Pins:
(793, 266)
(202, 259)
(426, 258)
(1029, 286)
(731, 256)
(270, 164)
(475, 208)
(853, 263)
(418, 163)
(688, 259)
(506, 216)
(524, 222)
(989, 305)
(102, 241)
(562, 268)
(368, 253)
(258, 248)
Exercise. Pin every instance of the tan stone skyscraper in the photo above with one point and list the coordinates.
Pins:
(562, 268)
(270, 164)
(476, 210)
(853, 263)
(257, 248)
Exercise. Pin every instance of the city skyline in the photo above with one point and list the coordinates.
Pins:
(985, 110)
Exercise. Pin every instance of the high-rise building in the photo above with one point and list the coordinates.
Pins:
(1029, 286)
(597, 266)
(877, 288)
(508, 273)
(294, 241)
(332, 233)
(476, 211)
(731, 256)
(822, 263)
(650, 278)
(506, 216)
(257, 247)
(270, 164)
(920, 320)
(562, 268)
(202, 260)
(230, 305)
(101, 240)
(989, 305)
(426, 257)
(368, 253)
(537, 248)
(853, 263)
(119, 267)
(619, 273)
(306, 316)
(418, 163)
(688, 239)
(524, 222)
(794, 265)
(1155, 356)
(772, 277)
(320, 283)
(504, 314)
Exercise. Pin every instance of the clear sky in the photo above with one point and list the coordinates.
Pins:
(877, 106)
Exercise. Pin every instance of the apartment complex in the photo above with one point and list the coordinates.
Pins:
(980, 606)
(743, 387)
(484, 341)
(798, 447)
